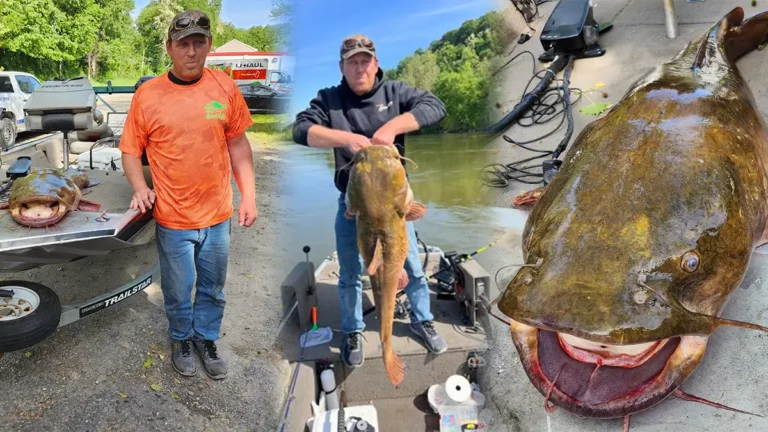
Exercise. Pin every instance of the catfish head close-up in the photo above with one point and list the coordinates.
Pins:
(633, 249)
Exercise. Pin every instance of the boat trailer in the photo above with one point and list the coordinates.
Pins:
(31, 311)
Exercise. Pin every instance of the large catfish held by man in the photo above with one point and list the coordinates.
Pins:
(379, 196)
(633, 249)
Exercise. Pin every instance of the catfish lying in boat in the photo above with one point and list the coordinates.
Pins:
(633, 249)
(44, 197)
(379, 196)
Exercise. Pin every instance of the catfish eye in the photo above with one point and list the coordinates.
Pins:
(690, 261)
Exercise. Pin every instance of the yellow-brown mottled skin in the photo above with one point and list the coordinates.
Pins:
(676, 169)
(47, 185)
(678, 165)
(378, 195)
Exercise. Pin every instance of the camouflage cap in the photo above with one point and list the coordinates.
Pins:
(188, 23)
(356, 44)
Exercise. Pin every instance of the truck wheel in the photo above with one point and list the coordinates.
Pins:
(28, 316)
(7, 133)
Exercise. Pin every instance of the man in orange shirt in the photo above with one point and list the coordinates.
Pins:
(191, 123)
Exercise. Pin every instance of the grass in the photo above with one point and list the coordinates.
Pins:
(270, 128)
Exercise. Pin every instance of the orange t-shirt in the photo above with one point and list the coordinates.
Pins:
(184, 130)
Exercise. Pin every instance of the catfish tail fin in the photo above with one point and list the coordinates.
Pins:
(746, 37)
(394, 366)
(731, 37)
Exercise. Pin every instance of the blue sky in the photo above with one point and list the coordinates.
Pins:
(242, 13)
(398, 27)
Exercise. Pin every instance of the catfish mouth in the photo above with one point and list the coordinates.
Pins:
(604, 381)
(38, 213)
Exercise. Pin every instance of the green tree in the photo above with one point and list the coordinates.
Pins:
(421, 70)
(465, 94)
(456, 68)
(282, 15)
(115, 38)
(153, 23)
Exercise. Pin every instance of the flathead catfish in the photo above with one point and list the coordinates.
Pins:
(633, 249)
(44, 196)
(379, 196)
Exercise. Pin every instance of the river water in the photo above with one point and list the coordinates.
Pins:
(445, 180)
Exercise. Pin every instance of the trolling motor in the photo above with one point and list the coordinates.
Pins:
(20, 168)
(571, 33)
(571, 29)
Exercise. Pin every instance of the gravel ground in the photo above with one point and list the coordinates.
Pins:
(112, 371)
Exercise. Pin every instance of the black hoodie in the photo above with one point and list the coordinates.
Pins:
(340, 108)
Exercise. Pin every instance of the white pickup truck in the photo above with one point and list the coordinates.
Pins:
(15, 89)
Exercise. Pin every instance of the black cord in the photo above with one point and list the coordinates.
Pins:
(426, 251)
(546, 107)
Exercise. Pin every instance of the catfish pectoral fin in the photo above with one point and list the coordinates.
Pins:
(86, 205)
(529, 198)
(373, 267)
(416, 211)
(348, 215)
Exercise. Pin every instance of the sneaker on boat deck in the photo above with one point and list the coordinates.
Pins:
(426, 331)
(214, 365)
(352, 350)
(182, 359)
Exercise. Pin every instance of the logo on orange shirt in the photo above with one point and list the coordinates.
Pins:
(215, 110)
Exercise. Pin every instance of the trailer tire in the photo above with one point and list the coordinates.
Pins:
(7, 133)
(26, 331)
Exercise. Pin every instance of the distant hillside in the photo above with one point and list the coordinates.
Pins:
(457, 68)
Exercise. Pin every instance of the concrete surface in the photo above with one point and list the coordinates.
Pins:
(732, 371)
(97, 374)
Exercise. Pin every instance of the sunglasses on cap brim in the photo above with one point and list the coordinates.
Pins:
(357, 43)
(184, 23)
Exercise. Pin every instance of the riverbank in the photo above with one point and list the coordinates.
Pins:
(112, 371)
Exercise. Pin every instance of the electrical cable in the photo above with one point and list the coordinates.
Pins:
(545, 107)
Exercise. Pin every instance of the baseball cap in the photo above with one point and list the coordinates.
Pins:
(188, 23)
(356, 44)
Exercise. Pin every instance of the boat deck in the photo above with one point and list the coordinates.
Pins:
(447, 322)
(398, 408)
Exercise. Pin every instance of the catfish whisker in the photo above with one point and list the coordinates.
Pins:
(550, 408)
(409, 160)
(691, 398)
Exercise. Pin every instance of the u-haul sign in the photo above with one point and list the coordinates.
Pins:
(242, 70)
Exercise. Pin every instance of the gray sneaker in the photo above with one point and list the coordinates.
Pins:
(214, 366)
(426, 331)
(352, 350)
(182, 358)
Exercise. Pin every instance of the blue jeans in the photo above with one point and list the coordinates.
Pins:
(184, 253)
(351, 287)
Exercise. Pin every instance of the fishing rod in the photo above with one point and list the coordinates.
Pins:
(452, 264)
(466, 257)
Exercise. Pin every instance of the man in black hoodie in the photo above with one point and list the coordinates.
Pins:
(367, 109)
